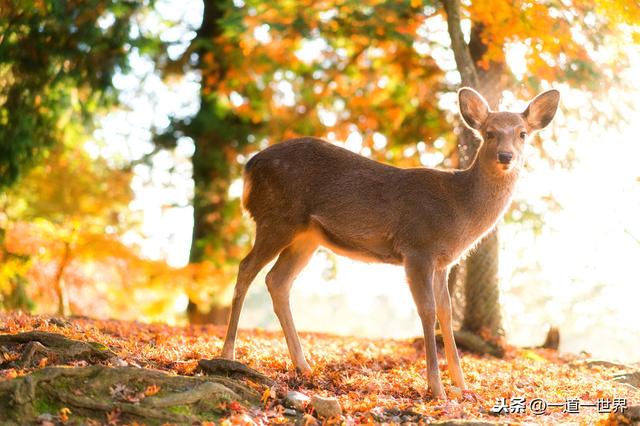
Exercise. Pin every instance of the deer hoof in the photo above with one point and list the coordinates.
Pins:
(303, 369)
(439, 394)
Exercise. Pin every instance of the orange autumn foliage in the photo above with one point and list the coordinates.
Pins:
(563, 42)
(62, 231)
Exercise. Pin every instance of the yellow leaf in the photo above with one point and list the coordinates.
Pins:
(534, 356)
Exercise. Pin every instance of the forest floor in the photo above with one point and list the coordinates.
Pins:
(374, 380)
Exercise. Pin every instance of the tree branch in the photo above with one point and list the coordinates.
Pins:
(464, 62)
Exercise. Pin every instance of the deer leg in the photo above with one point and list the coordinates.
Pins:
(279, 281)
(420, 275)
(265, 248)
(443, 310)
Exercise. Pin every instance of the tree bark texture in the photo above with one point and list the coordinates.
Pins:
(215, 135)
(481, 293)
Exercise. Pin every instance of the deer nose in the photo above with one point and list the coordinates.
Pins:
(505, 157)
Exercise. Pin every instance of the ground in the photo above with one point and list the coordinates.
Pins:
(374, 380)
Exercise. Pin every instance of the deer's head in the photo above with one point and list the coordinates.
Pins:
(505, 133)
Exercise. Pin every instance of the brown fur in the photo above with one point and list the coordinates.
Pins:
(306, 192)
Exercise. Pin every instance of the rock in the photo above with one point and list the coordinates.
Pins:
(59, 322)
(296, 400)
(630, 416)
(119, 362)
(633, 413)
(326, 407)
(290, 412)
(46, 417)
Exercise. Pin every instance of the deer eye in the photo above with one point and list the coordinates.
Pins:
(523, 135)
(491, 135)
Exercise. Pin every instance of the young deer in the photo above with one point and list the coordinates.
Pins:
(306, 192)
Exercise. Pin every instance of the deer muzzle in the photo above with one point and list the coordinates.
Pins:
(505, 157)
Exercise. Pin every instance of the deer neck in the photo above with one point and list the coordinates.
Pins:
(485, 194)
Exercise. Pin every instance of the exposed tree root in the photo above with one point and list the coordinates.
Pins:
(94, 391)
(632, 378)
(468, 341)
(474, 343)
(56, 347)
(232, 369)
(552, 340)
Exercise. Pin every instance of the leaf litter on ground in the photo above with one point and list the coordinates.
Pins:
(374, 379)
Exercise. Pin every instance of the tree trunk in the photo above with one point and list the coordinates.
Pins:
(211, 169)
(217, 314)
(482, 286)
(482, 289)
(58, 282)
(481, 295)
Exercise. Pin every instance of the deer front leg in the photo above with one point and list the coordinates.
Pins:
(443, 309)
(420, 277)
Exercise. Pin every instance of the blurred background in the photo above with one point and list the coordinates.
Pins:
(124, 127)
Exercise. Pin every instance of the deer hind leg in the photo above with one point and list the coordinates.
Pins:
(443, 309)
(279, 281)
(267, 246)
(420, 275)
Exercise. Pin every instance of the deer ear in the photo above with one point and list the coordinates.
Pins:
(542, 109)
(473, 108)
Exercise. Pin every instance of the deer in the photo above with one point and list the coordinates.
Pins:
(305, 192)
